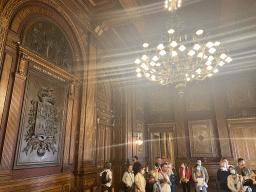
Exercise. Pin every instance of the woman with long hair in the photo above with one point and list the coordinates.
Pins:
(184, 177)
(153, 184)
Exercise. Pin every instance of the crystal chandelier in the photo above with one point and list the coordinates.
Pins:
(180, 58)
(172, 4)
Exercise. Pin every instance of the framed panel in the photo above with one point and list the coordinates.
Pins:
(240, 93)
(42, 121)
(163, 145)
(100, 141)
(197, 100)
(201, 138)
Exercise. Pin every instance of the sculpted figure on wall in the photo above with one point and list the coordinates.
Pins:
(42, 123)
(47, 40)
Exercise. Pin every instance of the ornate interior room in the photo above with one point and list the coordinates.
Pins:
(78, 88)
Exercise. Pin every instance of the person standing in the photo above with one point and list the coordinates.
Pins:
(164, 178)
(235, 181)
(158, 162)
(106, 178)
(136, 165)
(140, 180)
(222, 177)
(184, 177)
(173, 177)
(153, 184)
(241, 169)
(199, 176)
(128, 179)
(203, 169)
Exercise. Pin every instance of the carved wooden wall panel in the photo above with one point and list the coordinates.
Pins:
(100, 143)
(117, 140)
(201, 138)
(197, 100)
(42, 121)
(242, 133)
(108, 147)
(139, 101)
(240, 93)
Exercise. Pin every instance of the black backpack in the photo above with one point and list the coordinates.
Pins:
(104, 179)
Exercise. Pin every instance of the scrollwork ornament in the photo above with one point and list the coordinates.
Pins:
(22, 65)
(3, 21)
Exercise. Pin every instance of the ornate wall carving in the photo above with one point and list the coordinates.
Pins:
(201, 138)
(42, 121)
(47, 40)
(242, 132)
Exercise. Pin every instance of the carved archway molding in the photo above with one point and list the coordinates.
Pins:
(13, 12)
(10, 12)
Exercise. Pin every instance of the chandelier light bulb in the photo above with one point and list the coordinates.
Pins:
(137, 61)
(138, 70)
(155, 58)
(199, 32)
(147, 74)
(152, 63)
(209, 44)
(171, 31)
(200, 55)
(209, 67)
(158, 64)
(228, 59)
(221, 63)
(208, 63)
(197, 47)
(199, 71)
(188, 79)
(160, 46)
(210, 58)
(146, 68)
(143, 65)
(223, 56)
(205, 56)
(215, 70)
(145, 45)
(144, 57)
(174, 53)
(174, 44)
(193, 76)
(212, 50)
(139, 75)
(186, 75)
(153, 77)
(182, 48)
(209, 75)
(191, 53)
(217, 43)
(162, 52)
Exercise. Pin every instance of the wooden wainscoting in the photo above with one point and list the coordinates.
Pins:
(49, 183)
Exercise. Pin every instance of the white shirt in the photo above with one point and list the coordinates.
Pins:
(165, 186)
(109, 177)
(128, 178)
(139, 178)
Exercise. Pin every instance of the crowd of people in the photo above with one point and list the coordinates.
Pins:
(164, 178)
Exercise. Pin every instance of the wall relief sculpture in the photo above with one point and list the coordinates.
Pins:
(48, 41)
(42, 121)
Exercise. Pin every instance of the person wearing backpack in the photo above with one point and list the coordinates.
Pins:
(106, 178)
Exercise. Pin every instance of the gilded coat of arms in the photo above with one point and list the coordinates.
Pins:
(42, 123)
